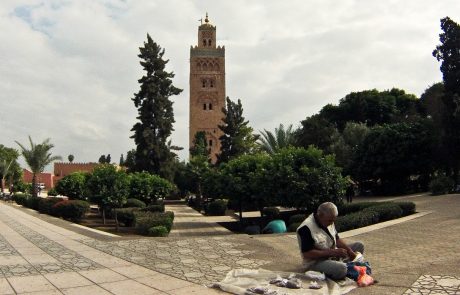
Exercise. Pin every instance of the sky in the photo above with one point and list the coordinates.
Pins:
(69, 68)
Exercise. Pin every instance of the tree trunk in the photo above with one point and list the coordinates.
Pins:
(34, 185)
(240, 205)
(103, 215)
(116, 219)
(3, 184)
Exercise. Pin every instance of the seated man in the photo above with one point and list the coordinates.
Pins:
(320, 245)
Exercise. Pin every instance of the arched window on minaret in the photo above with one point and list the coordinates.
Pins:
(205, 66)
(211, 83)
(209, 42)
(204, 42)
(204, 107)
(203, 83)
(210, 106)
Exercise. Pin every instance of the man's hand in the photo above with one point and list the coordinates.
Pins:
(339, 252)
(351, 255)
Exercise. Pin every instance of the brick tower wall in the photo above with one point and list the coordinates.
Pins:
(207, 88)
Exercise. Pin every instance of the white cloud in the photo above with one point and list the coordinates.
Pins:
(69, 68)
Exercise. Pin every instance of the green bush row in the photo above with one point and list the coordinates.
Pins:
(146, 221)
(216, 208)
(73, 210)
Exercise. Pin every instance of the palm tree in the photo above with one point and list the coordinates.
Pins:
(281, 138)
(37, 158)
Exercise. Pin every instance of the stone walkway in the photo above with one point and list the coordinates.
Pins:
(420, 256)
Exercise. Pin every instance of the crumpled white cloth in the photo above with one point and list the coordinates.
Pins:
(237, 281)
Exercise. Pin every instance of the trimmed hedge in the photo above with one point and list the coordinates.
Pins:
(134, 203)
(45, 206)
(52, 192)
(146, 220)
(154, 208)
(408, 208)
(355, 220)
(21, 198)
(293, 226)
(441, 184)
(126, 215)
(216, 208)
(348, 208)
(158, 231)
(298, 218)
(73, 210)
(271, 213)
(386, 211)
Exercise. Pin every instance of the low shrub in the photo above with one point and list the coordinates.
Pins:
(407, 207)
(21, 198)
(126, 215)
(146, 220)
(271, 212)
(293, 226)
(158, 231)
(45, 206)
(216, 208)
(441, 184)
(386, 211)
(52, 192)
(357, 219)
(32, 202)
(134, 203)
(298, 218)
(154, 208)
(73, 210)
(348, 208)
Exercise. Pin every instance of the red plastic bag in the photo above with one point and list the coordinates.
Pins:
(364, 279)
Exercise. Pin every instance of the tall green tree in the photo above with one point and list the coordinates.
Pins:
(200, 145)
(238, 138)
(9, 166)
(448, 52)
(271, 142)
(70, 158)
(155, 113)
(317, 131)
(37, 157)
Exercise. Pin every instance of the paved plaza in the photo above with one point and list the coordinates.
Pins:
(43, 255)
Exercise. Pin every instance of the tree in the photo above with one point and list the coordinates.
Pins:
(304, 178)
(107, 187)
(316, 131)
(393, 155)
(244, 180)
(281, 138)
(102, 159)
(70, 158)
(148, 187)
(9, 166)
(122, 160)
(130, 161)
(155, 113)
(448, 52)
(73, 186)
(200, 145)
(238, 138)
(37, 158)
(108, 159)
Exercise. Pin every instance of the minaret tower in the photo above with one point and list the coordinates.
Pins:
(207, 87)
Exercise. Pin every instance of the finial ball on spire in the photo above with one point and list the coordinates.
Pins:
(206, 19)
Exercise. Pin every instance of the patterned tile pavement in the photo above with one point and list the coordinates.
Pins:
(428, 284)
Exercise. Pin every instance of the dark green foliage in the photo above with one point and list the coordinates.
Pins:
(146, 220)
(21, 186)
(448, 52)
(73, 186)
(45, 206)
(237, 138)
(70, 158)
(271, 213)
(386, 211)
(356, 220)
(297, 219)
(154, 208)
(108, 187)
(200, 145)
(316, 131)
(155, 113)
(126, 215)
(441, 184)
(52, 192)
(216, 208)
(303, 178)
(134, 203)
(32, 202)
(9, 166)
(293, 227)
(21, 198)
(347, 208)
(391, 154)
(272, 142)
(158, 231)
(73, 210)
(148, 187)
(408, 208)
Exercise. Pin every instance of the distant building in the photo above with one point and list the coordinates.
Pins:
(207, 88)
(60, 170)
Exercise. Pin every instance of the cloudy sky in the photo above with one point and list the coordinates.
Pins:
(69, 68)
